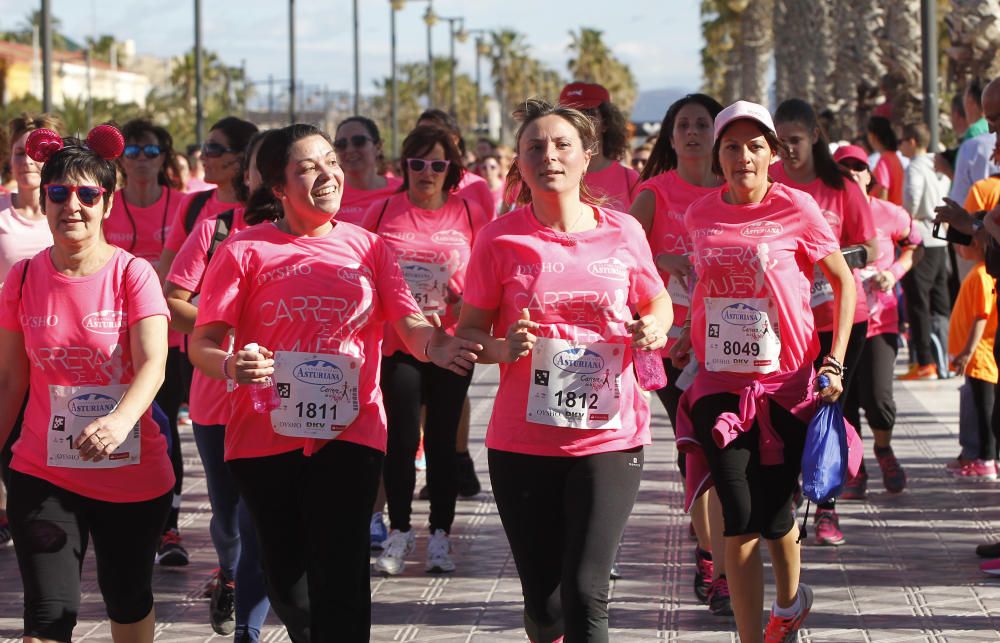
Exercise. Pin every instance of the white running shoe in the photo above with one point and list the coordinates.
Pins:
(439, 553)
(394, 551)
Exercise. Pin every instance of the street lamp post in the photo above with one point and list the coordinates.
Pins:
(482, 49)
(430, 19)
(291, 62)
(460, 33)
(46, 29)
(357, 62)
(199, 107)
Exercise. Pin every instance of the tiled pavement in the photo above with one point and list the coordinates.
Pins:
(907, 572)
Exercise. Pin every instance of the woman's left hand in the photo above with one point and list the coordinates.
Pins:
(647, 333)
(885, 280)
(102, 436)
(832, 392)
(453, 353)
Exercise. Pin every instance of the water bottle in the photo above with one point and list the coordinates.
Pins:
(264, 395)
(649, 369)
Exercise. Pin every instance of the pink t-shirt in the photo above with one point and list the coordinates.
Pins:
(208, 400)
(616, 183)
(849, 215)
(20, 238)
(668, 235)
(329, 294)
(475, 188)
(892, 224)
(142, 231)
(64, 347)
(177, 234)
(355, 203)
(578, 287)
(760, 250)
(441, 237)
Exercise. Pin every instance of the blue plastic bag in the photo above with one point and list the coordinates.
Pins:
(825, 457)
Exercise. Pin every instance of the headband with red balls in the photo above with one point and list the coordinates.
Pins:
(104, 140)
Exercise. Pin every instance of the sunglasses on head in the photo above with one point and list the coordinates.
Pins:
(418, 165)
(215, 150)
(150, 151)
(88, 194)
(358, 140)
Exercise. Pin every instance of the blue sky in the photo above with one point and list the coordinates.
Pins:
(659, 39)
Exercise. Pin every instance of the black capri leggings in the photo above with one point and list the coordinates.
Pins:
(563, 517)
(312, 515)
(407, 383)
(172, 394)
(756, 499)
(872, 388)
(51, 528)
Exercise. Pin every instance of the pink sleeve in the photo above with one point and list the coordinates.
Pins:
(145, 295)
(881, 173)
(479, 192)
(177, 232)
(483, 286)
(391, 288)
(859, 225)
(10, 298)
(818, 241)
(188, 268)
(646, 282)
(224, 289)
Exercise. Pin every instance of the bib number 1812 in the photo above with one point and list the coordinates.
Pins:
(570, 400)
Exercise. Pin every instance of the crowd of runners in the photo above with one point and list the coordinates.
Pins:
(318, 310)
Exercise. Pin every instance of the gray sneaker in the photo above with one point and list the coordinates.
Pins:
(394, 552)
(439, 553)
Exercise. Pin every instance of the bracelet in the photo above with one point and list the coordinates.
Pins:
(834, 363)
(225, 363)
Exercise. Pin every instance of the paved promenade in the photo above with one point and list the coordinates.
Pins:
(907, 573)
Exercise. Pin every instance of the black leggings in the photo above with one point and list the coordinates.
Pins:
(670, 396)
(872, 390)
(756, 499)
(7, 449)
(52, 527)
(172, 394)
(925, 290)
(408, 383)
(983, 399)
(563, 517)
(311, 515)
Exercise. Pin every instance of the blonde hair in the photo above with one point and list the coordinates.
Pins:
(516, 190)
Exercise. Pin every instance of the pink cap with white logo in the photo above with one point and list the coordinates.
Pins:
(739, 110)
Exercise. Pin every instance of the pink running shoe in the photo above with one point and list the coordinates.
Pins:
(991, 567)
(827, 527)
(979, 470)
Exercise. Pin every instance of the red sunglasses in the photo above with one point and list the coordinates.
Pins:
(88, 194)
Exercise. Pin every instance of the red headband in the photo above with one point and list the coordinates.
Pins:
(104, 140)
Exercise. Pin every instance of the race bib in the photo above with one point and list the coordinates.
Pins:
(739, 336)
(73, 408)
(319, 394)
(429, 284)
(575, 386)
(821, 292)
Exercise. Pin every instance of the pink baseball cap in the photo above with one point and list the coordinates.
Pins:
(739, 110)
(853, 152)
(583, 95)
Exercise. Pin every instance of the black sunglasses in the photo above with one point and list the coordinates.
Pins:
(358, 140)
(150, 151)
(215, 150)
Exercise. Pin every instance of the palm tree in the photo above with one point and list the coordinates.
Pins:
(507, 57)
(793, 73)
(755, 46)
(595, 63)
(859, 65)
(901, 57)
(973, 27)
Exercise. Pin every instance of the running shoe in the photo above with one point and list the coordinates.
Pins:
(171, 552)
(952, 466)
(979, 470)
(991, 567)
(468, 481)
(988, 550)
(210, 584)
(917, 372)
(856, 488)
(420, 460)
(893, 476)
(616, 571)
(781, 629)
(184, 416)
(377, 531)
(827, 527)
(439, 553)
(6, 539)
(704, 569)
(222, 607)
(394, 552)
(719, 602)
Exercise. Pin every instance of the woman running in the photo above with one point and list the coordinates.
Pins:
(679, 172)
(91, 463)
(308, 299)
(549, 293)
(430, 230)
(359, 148)
(241, 607)
(751, 327)
(810, 167)
(878, 358)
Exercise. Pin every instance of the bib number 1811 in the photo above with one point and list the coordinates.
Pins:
(312, 410)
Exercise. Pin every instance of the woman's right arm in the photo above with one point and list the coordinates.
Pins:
(13, 379)
(208, 356)
(182, 312)
(643, 209)
(476, 324)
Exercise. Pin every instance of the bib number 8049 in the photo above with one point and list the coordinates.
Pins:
(741, 348)
(570, 400)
